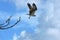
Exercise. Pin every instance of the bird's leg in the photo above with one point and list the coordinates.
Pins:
(34, 15)
(29, 17)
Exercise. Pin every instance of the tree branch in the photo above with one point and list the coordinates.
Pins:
(4, 27)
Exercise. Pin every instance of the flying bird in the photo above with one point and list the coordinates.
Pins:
(32, 9)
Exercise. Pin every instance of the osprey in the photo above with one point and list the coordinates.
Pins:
(32, 9)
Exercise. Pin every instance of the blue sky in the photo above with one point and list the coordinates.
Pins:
(45, 26)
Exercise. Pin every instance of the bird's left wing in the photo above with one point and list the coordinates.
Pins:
(29, 5)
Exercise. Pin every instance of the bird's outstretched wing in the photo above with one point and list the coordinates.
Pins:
(29, 5)
(34, 6)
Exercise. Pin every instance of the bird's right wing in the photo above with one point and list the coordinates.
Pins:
(34, 6)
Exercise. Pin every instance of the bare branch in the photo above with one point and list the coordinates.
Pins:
(12, 25)
(7, 21)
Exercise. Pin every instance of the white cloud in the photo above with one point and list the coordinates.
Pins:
(51, 21)
(23, 36)
(54, 33)
(15, 37)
